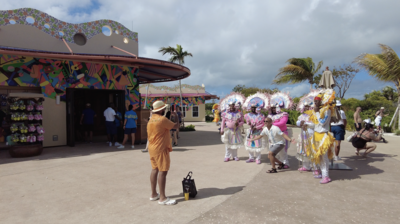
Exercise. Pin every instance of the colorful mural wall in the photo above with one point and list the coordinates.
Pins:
(55, 76)
(187, 101)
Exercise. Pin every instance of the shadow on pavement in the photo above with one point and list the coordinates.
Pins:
(361, 166)
(210, 192)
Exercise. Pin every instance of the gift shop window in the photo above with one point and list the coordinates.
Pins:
(195, 111)
(184, 110)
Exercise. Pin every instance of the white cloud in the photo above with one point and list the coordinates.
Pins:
(297, 90)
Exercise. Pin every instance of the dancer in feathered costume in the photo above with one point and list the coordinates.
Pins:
(238, 106)
(231, 134)
(281, 100)
(320, 150)
(215, 110)
(307, 130)
(255, 119)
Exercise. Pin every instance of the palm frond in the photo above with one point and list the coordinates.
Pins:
(176, 54)
(316, 69)
(374, 64)
(292, 74)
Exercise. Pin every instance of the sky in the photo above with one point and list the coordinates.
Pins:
(246, 42)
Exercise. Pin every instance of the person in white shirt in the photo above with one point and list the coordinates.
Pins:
(276, 140)
(109, 114)
(339, 130)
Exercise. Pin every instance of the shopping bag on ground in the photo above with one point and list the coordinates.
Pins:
(189, 186)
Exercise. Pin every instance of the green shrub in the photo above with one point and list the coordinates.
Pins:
(397, 132)
(208, 118)
(188, 128)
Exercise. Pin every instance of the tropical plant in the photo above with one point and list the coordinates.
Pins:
(384, 66)
(298, 70)
(177, 56)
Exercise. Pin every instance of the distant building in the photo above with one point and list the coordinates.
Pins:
(193, 98)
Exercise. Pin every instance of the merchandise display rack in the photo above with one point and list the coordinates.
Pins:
(25, 114)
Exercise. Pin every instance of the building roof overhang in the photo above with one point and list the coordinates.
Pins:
(150, 70)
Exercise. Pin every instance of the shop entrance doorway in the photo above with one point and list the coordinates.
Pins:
(99, 101)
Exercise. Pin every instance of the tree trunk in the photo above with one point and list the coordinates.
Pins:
(311, 83)
(398, 105)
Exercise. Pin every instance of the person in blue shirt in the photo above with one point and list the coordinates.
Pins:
(118, 124)
(87, 120)
(129, 126)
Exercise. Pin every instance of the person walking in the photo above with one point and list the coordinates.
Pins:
(129, 127)
(339, 130)
(379, 115)
(87, 120)
(174, 132)
(158, 132)
(357, 119)
(147, 144)
(110, 117)
(118, 125)
(178, 111)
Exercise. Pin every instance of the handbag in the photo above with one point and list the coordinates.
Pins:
(350, 138)
(189, 186)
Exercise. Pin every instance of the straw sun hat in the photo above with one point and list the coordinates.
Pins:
(158, 106)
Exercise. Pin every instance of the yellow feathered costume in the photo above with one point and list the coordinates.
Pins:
(321, 143)
(217, 118)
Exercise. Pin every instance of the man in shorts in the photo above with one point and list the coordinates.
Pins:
(357, 119)
(339, 130)
(129, 127)
(276, 139)
(87, 120)
(158, 133)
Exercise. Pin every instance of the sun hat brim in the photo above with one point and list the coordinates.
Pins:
(161, 108)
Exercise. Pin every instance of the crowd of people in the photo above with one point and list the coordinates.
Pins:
(117, 127)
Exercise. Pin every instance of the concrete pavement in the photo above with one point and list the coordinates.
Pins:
(100, 184)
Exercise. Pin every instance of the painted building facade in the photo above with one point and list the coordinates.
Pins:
(193, 99)
(40, 53)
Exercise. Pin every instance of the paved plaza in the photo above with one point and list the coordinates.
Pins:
(94, 183)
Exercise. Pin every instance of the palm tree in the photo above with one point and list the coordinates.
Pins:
(298, 70)
(177, 56)
(384, 66)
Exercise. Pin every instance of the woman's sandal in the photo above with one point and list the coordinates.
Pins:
(357, 153)
(272, 171)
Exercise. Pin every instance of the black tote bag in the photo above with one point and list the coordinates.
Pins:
(189, 186)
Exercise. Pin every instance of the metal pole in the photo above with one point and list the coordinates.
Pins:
(393, 118)
(180, 92)
(147, 93)
(399, 116)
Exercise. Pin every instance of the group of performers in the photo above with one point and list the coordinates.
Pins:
(315, 143)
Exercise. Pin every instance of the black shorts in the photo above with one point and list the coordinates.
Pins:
(359, 126)
(88, 127)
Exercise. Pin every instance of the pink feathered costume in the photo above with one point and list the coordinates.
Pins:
(255, 147)
(232, 136)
